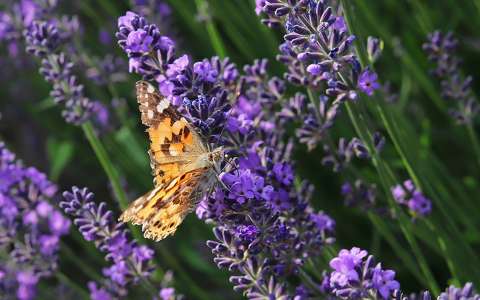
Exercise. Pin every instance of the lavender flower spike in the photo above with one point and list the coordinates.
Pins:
(130, 263)
(30, 227)
(356, 276)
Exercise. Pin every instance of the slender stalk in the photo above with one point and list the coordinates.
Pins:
(215, 39)
(474, 139)
(386, 175)
(397, 247)
(107, 165)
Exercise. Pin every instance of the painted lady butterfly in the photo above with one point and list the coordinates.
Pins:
(182, 164)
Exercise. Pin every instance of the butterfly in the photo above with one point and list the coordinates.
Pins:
(183, 167)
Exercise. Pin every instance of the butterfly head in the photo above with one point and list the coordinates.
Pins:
(215, 156)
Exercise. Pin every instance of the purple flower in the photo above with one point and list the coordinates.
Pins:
(27, 281)
(420, 204)
(408, 195)
(118, 272)
(323, 222)
(384, 281)
(167, 294)
(177, 66)
(314, 69)
(98, 293)
(127, 20)
(49, 244)
(205, 71)
(345, 265)
(30, 227)
(130, 263)
(138, 41)
(354, 276)
(247, 233)
(6, 26)
(143, 253)
(29, 10)
(259, 4)
(367, 82)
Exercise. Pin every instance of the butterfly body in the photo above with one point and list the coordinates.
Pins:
(182, 164)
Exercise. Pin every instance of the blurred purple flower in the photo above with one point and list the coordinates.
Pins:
(30, 227)
(98, 293)
(104, 37)
(441, 49)
(167, 294)
(408, 195)
(467, 292)
(27, 282)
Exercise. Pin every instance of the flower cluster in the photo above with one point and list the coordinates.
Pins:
(130, 263)
(199, 88)
(30, 227)
(408, 195)
(441, 49)
(318, 53)
(318, 48)
(44, 40)
(264, 226)
(356, 276)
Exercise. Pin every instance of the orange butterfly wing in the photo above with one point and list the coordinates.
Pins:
(173, 143)
(174, 147)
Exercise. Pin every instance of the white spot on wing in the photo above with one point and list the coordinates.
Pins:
(150, 114)
(150, 88)
(162, 105)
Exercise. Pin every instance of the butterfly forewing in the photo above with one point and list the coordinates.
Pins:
(179, 177)
(173, 143)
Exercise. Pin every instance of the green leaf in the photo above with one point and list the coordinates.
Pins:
(60, 154)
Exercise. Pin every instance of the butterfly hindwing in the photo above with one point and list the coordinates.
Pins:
(163, 209)
(173, 143)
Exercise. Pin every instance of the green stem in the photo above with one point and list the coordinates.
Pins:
(107, 165)
(112, 175)
(475, 143)
(443, 247)
(397, 247)
(215, 39)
